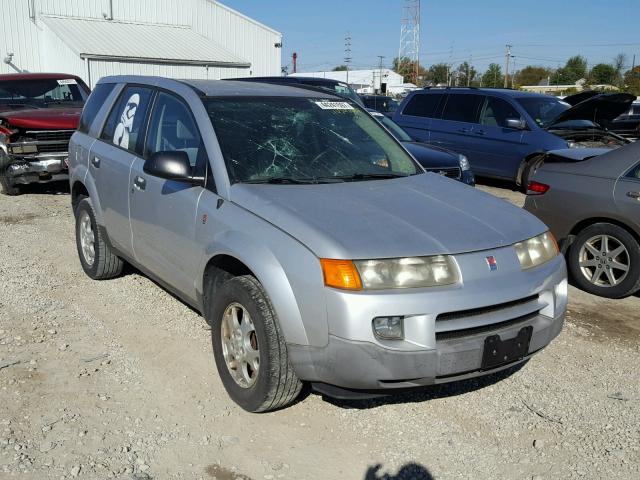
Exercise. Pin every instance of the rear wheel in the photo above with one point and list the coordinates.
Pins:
(96, 257)
(604, 260)
(249, 348)
(528, 171)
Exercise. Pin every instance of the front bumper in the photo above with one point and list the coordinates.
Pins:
(445, 329)
(35, 170)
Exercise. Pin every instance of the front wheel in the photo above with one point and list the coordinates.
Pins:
(249, 348)
(7, 187)
(604, 260)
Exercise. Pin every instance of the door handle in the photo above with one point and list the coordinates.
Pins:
(95, 161)
(635, 195)
(463, 130)
(139, 183)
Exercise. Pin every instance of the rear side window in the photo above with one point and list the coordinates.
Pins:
(125, 123)
(423, 105)
(95, 101)
(496, 112)
(462, 108)
(635, 172)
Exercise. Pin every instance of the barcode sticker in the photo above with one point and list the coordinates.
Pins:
(67, 81)
(327, 105)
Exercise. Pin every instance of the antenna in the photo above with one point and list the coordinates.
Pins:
(409, 54)
(347, 53)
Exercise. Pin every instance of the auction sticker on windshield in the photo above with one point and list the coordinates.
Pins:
(326, 105)
(66, 81)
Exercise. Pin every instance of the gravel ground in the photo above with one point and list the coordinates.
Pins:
(115, 379)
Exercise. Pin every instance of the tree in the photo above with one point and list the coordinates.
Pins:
(407, 68)
(603, 73)
(632, 81)
(465, 74)
(340, 68)
(619, 61)
(439, 74)
(493, 77)
(532, 75)
(574, 70)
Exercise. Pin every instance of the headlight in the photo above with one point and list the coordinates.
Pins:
(410, 272)
(464, 163)
(536, 250)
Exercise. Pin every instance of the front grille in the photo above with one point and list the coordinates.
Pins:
(452, 172)
(474, 312)
(467, 332)
(50, 135)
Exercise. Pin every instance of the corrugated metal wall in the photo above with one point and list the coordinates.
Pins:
(36, 48)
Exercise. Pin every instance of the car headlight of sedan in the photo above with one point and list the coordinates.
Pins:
(410, 272)
(537, 250)
(464, 163)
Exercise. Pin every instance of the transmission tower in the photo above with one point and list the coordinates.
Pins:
(410, 38)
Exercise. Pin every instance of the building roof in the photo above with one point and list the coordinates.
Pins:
(113, 40)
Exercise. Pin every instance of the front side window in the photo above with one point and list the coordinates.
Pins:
(126, 119)
(462, 108)
(305, 139)
(42, 93)
(95, 101)
(172, 128)
(496, 112)
(543, 110)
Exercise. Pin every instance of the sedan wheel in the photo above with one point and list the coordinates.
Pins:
(604, 259)
(240, 345)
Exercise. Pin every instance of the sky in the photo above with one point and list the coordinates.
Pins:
(542, 32)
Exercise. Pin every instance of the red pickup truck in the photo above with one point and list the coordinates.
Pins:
(38, 114)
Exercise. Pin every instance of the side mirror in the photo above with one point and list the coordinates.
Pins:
(517, 123)
(172, 165)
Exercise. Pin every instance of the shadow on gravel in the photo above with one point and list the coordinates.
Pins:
(409, 471)
(423, 394)
(51, 188)
(496, 183)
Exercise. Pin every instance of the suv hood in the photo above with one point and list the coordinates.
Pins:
(414, 216)
(600, 108)
(66, 118)
(430, 156)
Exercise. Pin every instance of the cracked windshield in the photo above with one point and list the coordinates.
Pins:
(304, 140)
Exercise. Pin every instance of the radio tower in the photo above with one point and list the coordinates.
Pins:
(410, 40)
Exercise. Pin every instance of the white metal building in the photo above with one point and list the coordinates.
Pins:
(363, 81)
(172, 38)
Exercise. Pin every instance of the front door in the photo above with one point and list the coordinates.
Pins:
(163, 212)
(627, 197)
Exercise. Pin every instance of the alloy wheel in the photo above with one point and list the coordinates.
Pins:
(240, 345)
(87, 239)
(604, 261)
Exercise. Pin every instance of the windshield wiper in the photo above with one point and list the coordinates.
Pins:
(291, 180)
(370, 176)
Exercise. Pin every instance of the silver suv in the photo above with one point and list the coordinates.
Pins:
(312, 242)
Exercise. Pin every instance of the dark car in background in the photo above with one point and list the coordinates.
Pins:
(628, 124)
(38, 114)
(433, 159)
(381, 103)
(504, 133)
(334, 86)
(590, 199)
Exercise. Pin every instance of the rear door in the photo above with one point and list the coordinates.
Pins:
(454, 130)
(496, 149)
(416, 115)
(111, 157)
(627, 197)
(163, 212)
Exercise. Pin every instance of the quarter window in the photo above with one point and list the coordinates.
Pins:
(462, 108)
(126, 120)
(173, 128)
(496, 112)
(423, 105)
(635, 172)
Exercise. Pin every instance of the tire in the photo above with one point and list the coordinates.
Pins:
(104, 264)
(528, 171)
(273, 384)
(6, 186)
(588, 266)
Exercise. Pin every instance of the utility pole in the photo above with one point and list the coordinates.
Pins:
(468, 70)
(380, 69)
(347, 53)
(506, 75)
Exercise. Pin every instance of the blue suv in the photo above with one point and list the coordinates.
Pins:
(504, 133)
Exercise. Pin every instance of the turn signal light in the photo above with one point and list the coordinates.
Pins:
(340, 274)
(537, 188)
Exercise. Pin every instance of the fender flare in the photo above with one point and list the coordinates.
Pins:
(523, 165)
(269, 272)
(88, 183)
